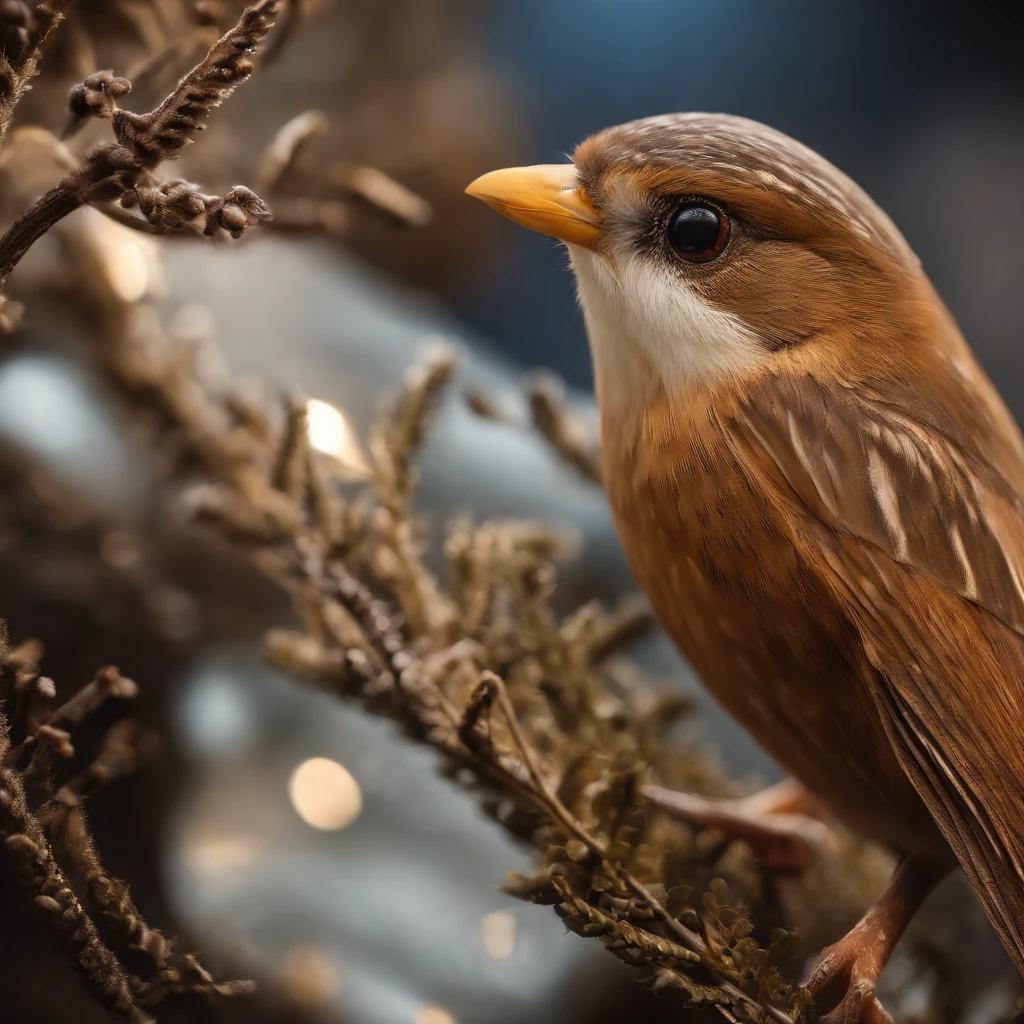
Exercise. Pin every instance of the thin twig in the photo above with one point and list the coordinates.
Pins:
(17, 66)
(288, 143)
(114, 171)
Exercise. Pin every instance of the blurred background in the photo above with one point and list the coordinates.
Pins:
(277, 826)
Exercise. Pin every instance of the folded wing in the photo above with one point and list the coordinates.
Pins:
(915, 519)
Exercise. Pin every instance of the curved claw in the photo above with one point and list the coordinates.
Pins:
(843, 982)
(858, 1007)
(844, 979)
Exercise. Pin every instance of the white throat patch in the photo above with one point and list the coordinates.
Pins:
(648, 330)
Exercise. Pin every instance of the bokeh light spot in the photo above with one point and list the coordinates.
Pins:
(324, 794)
(329, 432)
(498, 933)
(433, 1015)
(310, 976)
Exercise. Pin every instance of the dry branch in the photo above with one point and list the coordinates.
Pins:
(380, 192)
(284, 149)
(562, 430)
(122, 171)
(26, 28)
(568, 436)
(45, 835)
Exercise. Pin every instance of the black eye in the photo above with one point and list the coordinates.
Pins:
(698, 231)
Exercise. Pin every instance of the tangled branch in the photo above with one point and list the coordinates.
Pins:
(25, 29)
(123, 171)
(45, 834)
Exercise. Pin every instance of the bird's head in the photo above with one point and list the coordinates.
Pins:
(707, 246)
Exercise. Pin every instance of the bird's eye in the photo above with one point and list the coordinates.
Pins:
(698, 231)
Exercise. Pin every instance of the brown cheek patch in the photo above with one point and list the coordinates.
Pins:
(789, 293)
(786, 293)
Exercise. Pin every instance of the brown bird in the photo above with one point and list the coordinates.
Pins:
(818, 488)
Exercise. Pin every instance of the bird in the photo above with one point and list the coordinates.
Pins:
(817, 487)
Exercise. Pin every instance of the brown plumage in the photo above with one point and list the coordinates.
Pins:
(815, 483)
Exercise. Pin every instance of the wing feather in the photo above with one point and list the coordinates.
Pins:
(917, 524)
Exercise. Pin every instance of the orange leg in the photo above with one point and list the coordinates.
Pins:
(780, 822)
(844, 980)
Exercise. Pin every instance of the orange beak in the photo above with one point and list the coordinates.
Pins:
(545, 198)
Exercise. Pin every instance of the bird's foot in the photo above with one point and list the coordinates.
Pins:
(844, 979)
(779, 822)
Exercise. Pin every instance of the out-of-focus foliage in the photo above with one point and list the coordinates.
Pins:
(128, 966)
